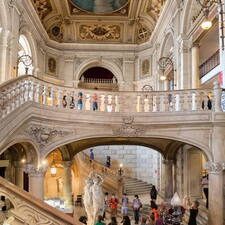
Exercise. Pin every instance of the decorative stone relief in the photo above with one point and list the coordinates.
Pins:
(143, 33)
(128, 129)
(215, 167)
(100, 32)
(44, 135)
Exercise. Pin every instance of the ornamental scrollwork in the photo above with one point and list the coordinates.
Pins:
(128, 129)
(99, 32)
(45, 135)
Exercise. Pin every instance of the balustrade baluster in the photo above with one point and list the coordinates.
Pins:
(37, 93)
(177, 102)
(26, 91)
(31, 94)
(52, 96)
(84, 102)
(141, 103)
(166, 100)
(150, 103)
(161, 103)
(44, 95)
(113, 103)
(105, 103)
(182, 102)
(13, 98)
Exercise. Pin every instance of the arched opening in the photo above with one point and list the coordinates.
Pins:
(98, 78)
(13, 163)
(169, 164)
(24, 61)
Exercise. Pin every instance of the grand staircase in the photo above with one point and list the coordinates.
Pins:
(134, 186)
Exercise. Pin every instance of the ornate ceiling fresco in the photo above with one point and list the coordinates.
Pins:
(99, 21)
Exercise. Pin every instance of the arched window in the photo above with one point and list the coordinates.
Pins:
(24, 57)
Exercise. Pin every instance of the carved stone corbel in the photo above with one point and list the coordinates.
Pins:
(215, 167)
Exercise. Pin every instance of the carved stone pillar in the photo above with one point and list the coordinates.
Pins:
(216, 193)
(167, 179)
(67, 186)
(195, 51)
(19, 168)
(36, 180)
(4, 35)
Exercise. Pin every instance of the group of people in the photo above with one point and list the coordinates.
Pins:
(162, 214)
(72, 104)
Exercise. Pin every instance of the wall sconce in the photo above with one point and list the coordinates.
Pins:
(163, 63)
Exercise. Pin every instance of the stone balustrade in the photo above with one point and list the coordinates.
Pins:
(16, 92)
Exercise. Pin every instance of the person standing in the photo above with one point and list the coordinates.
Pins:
(99, 221)
(193, 207)
(113, 204)
(106, 204)
(80, 101)
(113, 221)
(153, 193)
(136, 208)
(108, 161)
(92, 157)
(64, 101)
(95, 102)
(205, 187)
(124, 207)
(72, 105)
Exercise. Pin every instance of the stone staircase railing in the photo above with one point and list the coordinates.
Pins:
(112, 182)
(26, 209)
(18, 91)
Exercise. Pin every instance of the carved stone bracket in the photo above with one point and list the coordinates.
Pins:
(215, 167)
(128, 129)
(45, 135)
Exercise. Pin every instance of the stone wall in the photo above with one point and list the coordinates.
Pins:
(139, 162)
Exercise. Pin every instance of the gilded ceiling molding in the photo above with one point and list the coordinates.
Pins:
(42, 7)
(100, 32)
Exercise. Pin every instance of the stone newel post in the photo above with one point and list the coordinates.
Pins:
(217, 97)
(67, 187)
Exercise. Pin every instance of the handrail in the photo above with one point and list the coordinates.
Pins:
(210, 64)
(20, 196)
(18, 91)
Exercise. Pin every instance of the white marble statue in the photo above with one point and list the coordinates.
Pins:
(93, 197)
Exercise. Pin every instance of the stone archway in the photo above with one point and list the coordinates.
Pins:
(115, 69)
(98, 78)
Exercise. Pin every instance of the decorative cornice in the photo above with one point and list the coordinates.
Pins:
(128, 129)
(215, 167)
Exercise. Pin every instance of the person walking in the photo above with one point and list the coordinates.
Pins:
(113, 204)
(153, 193)
(124, 207)
(80, 101)
(95, 102)
(136, 208)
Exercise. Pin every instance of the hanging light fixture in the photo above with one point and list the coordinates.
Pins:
(206, 24)
(53, 169)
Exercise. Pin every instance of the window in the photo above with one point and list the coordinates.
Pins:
(24, 61)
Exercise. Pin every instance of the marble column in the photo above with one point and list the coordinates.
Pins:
(4, 36)
(67, 186)
(195, 55)
(168, 179)
(216, 193)
(19, 168)
(36, 180)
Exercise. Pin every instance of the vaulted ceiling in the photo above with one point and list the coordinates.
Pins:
(99, 21)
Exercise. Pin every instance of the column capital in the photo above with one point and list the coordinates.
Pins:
(195, 44)
(67, 164)
(167, 161)
(18, 164)
(34, 171)
(215, 167)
